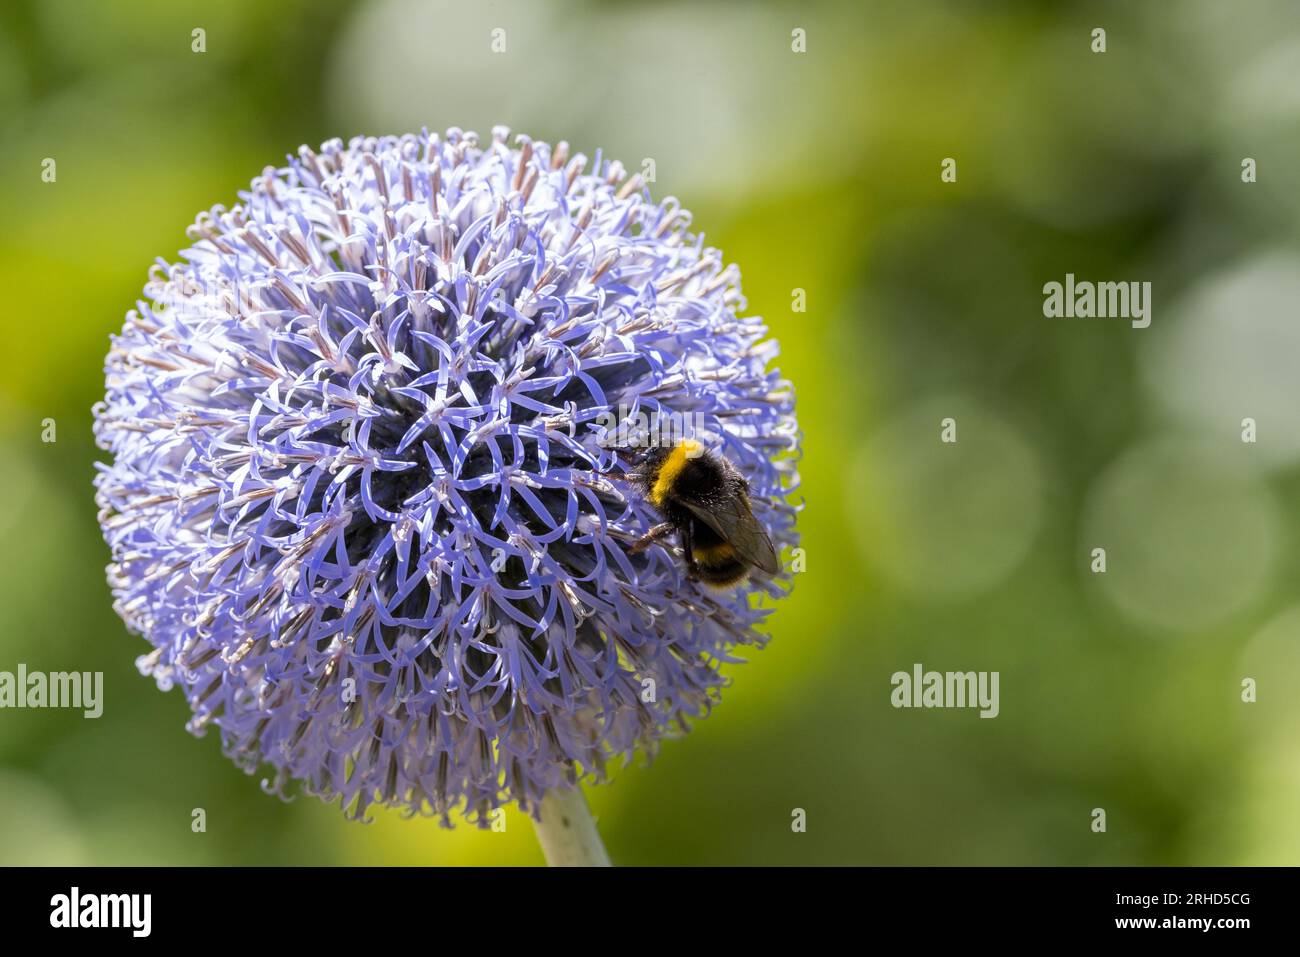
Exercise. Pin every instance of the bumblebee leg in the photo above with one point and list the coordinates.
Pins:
(688, 550)
(650, 537)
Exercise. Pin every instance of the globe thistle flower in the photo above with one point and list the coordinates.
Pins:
(363, 501)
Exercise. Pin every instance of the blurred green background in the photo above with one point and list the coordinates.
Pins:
(816, 171)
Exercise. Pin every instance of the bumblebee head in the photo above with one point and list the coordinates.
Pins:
(645, 463)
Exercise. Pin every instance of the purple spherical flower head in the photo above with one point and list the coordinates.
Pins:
(363, 501)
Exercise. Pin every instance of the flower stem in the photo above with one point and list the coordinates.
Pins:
(567, 831)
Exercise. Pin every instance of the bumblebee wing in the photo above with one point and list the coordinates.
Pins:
(731, 518)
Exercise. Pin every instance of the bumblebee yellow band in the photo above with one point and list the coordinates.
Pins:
(672, 467)
(715, 553)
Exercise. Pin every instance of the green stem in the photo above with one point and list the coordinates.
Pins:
(567, 831)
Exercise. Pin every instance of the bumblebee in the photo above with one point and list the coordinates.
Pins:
(705, 499)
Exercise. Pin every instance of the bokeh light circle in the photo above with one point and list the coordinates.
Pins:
(1190, 535)
(945, 520)
(37, 828)
(1230, 353)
